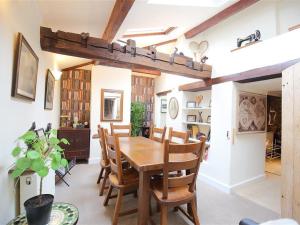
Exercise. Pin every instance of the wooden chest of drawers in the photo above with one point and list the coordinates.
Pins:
(79, 142)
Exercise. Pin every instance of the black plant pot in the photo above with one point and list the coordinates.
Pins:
(38, 209)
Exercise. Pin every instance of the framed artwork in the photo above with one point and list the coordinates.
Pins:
(49, 90)
(25, 70)
(173, 108)
(190, 104)
(163, 105)
(191, 118)
(251, 113)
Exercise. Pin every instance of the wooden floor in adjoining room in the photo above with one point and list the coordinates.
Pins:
(214, 206)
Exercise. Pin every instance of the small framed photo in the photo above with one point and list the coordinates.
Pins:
(191, 118)
(163, 106)
(190, 104)
(49, 90)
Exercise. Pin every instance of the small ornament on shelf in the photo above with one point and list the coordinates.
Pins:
(208, 119)
(199, 99)
(200, 120)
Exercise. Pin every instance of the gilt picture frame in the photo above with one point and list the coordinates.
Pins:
(49, 90)
(25, 70)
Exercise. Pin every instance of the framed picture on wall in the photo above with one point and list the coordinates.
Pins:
(163, 105)
(251, 113)
(25, 70)
(49, 90)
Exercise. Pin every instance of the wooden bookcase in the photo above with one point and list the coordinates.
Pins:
(142, 90)
(75, 97)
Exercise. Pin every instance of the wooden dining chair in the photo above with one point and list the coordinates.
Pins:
(158, 134)
(104, 163)
(178, 135)
(123, 179)
(121, 130)
(170, 192)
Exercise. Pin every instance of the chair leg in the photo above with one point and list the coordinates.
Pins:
(118, 207)
(194, 211)
(105, 203)
(102, 187)
(100, 175)
(163, 215)
(157, 207)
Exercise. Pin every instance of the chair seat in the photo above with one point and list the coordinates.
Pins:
(176, 195)
(104, 164)
(130, 178)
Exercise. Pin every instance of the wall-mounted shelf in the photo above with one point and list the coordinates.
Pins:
(196, 123)
(197, 108)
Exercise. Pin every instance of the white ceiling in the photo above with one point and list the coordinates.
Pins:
(92, 16)
(144, 15)
(265, 86)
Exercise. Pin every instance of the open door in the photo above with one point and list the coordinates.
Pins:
(290, 201)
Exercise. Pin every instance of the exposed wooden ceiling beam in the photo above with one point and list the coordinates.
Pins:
(78, 66)
(147, 71)
(162, 43)
(118, 15)
(219, 17)
(196, 86)
(294, 27)
(166, 32)
(262, 73)
(129, 55)
(105, 62)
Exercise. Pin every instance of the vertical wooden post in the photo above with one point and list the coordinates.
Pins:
(290, 199)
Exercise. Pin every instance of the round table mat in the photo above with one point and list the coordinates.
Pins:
(61, 214)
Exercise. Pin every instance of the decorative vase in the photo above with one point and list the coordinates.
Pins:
(38, 209)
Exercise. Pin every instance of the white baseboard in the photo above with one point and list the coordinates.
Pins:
(94, 160)
(215, 183)
(229, 188)
(248, 181)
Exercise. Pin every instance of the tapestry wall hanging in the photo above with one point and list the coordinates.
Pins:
(251, 113)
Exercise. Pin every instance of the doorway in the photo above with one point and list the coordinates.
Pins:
(267, 190)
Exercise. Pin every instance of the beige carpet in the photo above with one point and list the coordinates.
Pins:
(266, 192)
(214, 207)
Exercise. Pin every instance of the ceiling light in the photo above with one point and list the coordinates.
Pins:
(200, 3)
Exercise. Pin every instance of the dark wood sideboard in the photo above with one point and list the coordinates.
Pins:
(79, 142)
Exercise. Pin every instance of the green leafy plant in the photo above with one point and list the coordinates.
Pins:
(137, 117)
(39, 154)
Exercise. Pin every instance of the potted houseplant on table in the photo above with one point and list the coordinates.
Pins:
(38, 154)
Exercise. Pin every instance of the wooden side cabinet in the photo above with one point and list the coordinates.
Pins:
(79, 142)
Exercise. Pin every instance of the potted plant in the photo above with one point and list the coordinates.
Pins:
(137, 117)
(38, 154)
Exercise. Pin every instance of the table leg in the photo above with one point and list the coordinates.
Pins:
(143, 198)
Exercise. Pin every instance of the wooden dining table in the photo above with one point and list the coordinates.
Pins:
(146, 156)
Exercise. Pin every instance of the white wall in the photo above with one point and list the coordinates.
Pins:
(216, 170)
(248, 150)
(271, 18)
(16, 114)
(107, 78)
(166, 82)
